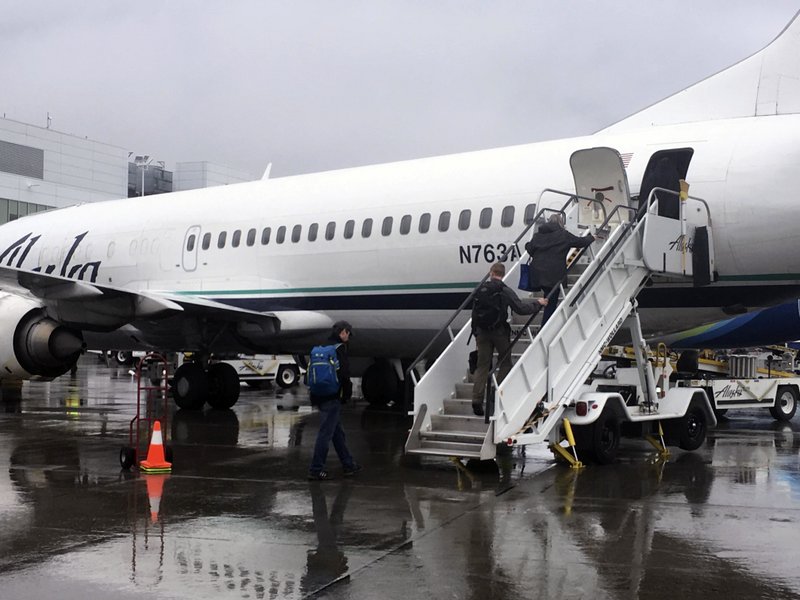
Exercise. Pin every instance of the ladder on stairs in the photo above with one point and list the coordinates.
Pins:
(552, 364)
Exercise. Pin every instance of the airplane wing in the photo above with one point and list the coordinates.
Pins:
(104, 308)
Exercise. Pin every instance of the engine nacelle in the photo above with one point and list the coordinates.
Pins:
(33, 344)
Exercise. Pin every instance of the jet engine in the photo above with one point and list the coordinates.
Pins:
(31, 343)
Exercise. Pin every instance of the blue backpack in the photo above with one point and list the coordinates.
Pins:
(322, 379)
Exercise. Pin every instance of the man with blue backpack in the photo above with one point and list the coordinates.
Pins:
(329, 383)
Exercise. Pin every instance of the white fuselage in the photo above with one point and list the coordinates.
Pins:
(395, 286)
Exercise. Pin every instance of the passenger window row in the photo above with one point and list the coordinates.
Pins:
(386, 226)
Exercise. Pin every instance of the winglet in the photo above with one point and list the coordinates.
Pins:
(265, 176)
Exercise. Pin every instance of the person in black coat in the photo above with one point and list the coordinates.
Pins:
(548, 250)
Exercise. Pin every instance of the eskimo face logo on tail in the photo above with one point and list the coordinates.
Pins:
(23, 246)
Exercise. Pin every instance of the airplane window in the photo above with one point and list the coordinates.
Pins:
(330, 230)
(190, 243)
(464, 218)
(280, 236)
(366, 228)
(507, 218)
(485, 220)
(444, 221)
(206, 241)
(251, 237)
(312, 232)
(530, 213)
(265, 236)
(236, 238)
(349, 227)
(405, 224)
(386, 228)
(296, 231)
(221, 239)
(424, 222)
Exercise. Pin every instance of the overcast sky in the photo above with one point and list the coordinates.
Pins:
(320, 85)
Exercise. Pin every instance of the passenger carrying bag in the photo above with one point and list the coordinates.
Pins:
(527, 280)
(322, 379)
(487, 306)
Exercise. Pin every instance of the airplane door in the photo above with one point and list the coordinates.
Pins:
(191, 241)
(599, 173)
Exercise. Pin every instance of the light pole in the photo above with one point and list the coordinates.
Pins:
(142, 162)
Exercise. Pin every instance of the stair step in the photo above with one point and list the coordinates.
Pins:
(458, 406)
(458, 423)
(464, 390)
(438, 448)
(463, 437)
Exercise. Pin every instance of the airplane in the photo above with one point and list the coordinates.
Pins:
(268, 266)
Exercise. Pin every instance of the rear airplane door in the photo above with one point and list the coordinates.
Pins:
(191, 241)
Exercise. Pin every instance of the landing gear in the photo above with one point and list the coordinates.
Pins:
(190, 386)
(380, 383)
(193, 386)
(223, 386)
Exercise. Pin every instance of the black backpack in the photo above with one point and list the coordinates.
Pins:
(488, 308)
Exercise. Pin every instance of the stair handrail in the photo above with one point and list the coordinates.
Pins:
(410, 371)
(491, 381)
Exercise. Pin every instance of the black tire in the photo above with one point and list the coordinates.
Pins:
(190, 386)
(168, 453)
(689, 431)
(223, 386)
(379, 383)
(127, 457)
(123, 357)
(288, 375)
(785, 403)
(605, 437)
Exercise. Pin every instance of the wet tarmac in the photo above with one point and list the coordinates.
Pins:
(237, 518)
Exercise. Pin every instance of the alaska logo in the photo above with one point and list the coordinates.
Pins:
(23, 246)
(729, 392)
(682, 244)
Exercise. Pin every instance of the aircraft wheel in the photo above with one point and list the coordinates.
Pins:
(123, 357)
(287, 376)
(190, 386)
(127, 457)
(223, 386)
(379, 383)
(785, 403)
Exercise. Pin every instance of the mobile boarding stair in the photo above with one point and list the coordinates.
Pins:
(547, 380)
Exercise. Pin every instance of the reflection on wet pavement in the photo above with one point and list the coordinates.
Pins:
(237, 519)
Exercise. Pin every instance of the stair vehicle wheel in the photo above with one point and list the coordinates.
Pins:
(689, 431)
(190, 386)
(785, 403)
(223, 386)
(287, 376)
(605, 436)
(127, 457)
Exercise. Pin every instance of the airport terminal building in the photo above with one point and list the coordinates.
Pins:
(41, 169)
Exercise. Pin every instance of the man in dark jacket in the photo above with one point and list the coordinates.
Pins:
(548, 250)
(330, 407)
(496, 336)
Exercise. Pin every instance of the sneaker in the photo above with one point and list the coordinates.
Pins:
(477, 409)
(349, 472)
(319, 476)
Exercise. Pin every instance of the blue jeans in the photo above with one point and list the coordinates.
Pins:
(330, 429)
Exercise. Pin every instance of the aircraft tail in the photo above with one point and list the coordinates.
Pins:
(767, 83)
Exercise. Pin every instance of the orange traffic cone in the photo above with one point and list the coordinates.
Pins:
(155, 488)
(156, 463)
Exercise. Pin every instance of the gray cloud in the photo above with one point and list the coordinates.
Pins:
(326, 84)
